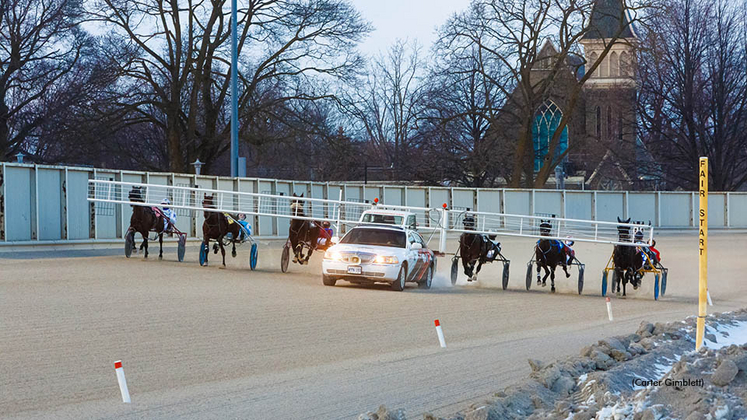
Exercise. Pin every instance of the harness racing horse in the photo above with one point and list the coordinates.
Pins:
(628, 260)
(473, 248)
(302, 233)
(549, 254)
(215, 227)
(144, 220)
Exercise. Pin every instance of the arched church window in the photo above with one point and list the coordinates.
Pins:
(593, 59)
(609, 122)
(625, 69)
(614, 65)
(546, 123)
(599, 122)
(605, 67)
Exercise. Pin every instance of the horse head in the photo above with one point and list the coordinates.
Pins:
(208, 201)
(623, 232)
(545, 227)
(136, 194)
(469, 222)
(297, 205)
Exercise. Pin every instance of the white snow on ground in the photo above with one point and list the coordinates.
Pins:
(727, 334)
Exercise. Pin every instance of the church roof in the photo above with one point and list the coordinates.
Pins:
(606, 20)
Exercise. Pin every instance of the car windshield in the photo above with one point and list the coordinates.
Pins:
(378, 237)
(386, 219)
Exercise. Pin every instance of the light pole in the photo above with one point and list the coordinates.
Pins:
(234, 93)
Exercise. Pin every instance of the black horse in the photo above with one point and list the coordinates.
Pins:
(549, 254)
(144, 220)
(216, 226)
(474, 248)
(628, 260)
(302, 232)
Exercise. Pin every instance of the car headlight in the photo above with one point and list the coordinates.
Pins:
(383, 259)
(332, 255)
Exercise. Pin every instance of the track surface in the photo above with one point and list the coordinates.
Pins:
(212, 343)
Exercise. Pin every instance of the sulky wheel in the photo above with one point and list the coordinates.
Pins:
(181, 247)
(604, 282)
(285, 258)
(664, 274)
(129, 242)
(581, 278)
(505, 274)
(204, 249)
(529, 275)
(253, 256)
(656, 286)
(454, 270)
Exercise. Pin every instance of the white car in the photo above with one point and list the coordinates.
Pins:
(380, 254)
(403, 219)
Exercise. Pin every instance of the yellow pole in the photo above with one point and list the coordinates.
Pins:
(703, 248)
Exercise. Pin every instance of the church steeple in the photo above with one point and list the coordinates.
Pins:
(609, 21)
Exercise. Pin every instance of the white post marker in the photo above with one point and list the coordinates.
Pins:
(609, 308)
(122, 381)
(708, 294)
(440, 334)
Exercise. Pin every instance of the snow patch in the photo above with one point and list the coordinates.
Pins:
(727, 334)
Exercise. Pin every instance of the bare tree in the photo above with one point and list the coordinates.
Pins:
(693, 94)
(179, 80)
(40, 43)
(513, 33)
(386, 105)
(459, 107)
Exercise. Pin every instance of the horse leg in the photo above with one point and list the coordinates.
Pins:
(145, 244)
(306, 260)
(466, 266)
(479, 266)
(160, 245)
(539, 268)
(552, 280)
(233, 251)
(222, 251)
(547, 274)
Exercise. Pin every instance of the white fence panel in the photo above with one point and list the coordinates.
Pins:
(642, 207)
(51, 215)
(610, 206)
(489, 201)
(737, 210)
(518, 202)
(548, 202)
(676, 209)
(578, 205)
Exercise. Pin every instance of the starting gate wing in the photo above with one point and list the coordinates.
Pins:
(553, 228)
(254, 204)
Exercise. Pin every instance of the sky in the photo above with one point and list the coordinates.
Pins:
(405, 19)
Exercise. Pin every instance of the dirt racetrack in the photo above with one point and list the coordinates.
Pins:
(211, 343)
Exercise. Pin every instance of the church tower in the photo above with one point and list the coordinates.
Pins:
(610, 95)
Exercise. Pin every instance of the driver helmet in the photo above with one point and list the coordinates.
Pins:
(325, 224)
(638, 235)
(569, 241)
(242, 216)
(165, 202)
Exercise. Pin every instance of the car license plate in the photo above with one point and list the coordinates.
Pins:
(356, 269)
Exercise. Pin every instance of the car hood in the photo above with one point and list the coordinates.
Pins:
(374, 249)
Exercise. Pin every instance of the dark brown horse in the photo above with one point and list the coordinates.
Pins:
(302, 233)
(473, 249)
(628, 260)
(549, 254)
(144, 220)
(215, 227)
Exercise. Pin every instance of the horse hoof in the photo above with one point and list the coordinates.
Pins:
(617, 294)
(567, 275)
(233, 255)
(539, 282)
(222, 267)
(552, 290)
(160, 257)
(544, 284)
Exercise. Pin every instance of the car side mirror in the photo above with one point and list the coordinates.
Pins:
(334, 240)
(416, 245)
